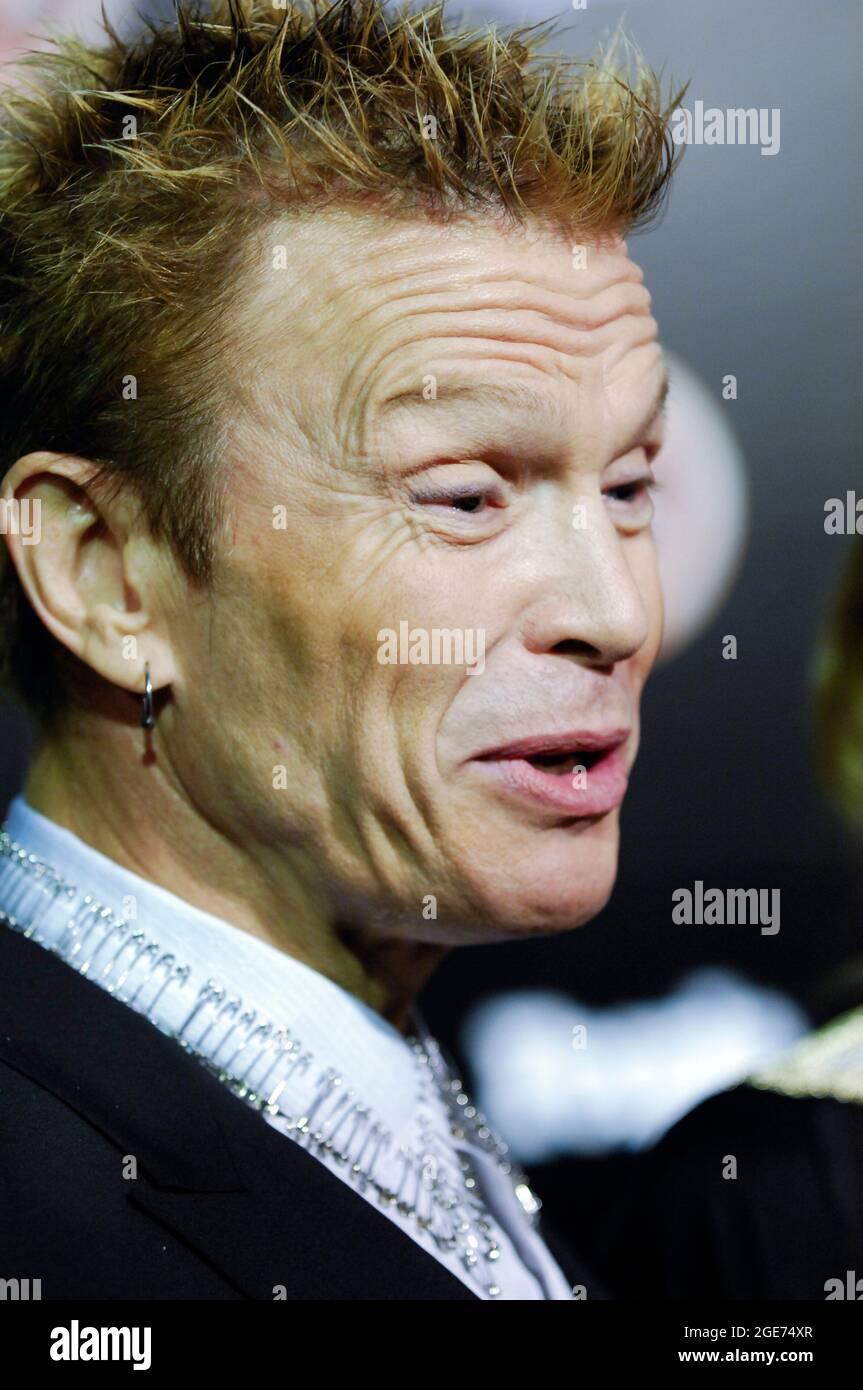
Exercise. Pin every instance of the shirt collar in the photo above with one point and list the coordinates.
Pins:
(331, 1024)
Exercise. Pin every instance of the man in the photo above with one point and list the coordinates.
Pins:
(335, 396)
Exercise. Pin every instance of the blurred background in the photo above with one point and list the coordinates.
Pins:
(582, 1050)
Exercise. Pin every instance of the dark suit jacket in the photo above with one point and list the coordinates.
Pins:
(789, 1222)
(223, 1207)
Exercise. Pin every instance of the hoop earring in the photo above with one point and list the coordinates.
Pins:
(147, 718)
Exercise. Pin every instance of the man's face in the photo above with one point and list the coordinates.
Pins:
(444, 430)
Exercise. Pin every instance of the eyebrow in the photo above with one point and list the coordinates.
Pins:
(518, 395)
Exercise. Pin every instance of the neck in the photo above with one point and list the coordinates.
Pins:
(87, 784)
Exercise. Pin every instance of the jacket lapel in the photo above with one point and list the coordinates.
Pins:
(298, 1232)
(254, 1205)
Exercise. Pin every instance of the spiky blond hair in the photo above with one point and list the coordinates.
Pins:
(133, 174)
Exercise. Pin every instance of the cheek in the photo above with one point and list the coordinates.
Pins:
(656, 613)
(646, 573)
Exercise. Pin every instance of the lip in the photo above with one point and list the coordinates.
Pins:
(606, 780)
(570, 741)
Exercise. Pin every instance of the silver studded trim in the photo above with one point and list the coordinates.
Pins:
(431, 1185)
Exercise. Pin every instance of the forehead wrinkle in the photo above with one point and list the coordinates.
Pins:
(489, 267)
(542, 413)
(453, 397)
(475, 250)
(472, 418)
(372, 317)
(477, 289)
(549, 359)
(556, 351)
(522, 301)
(458, 398)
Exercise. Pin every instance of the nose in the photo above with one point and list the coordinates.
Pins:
(588, 604)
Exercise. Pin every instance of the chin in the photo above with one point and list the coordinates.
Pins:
(548, 883)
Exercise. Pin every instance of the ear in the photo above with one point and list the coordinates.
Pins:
(92, 575)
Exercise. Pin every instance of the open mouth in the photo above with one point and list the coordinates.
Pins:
(564, 764)
(581, 775)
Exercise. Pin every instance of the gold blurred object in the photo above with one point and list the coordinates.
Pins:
(838, 678)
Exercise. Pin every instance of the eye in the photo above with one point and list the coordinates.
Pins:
(632, 492)
(458, 501)
(467, 500)
(630, 503)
